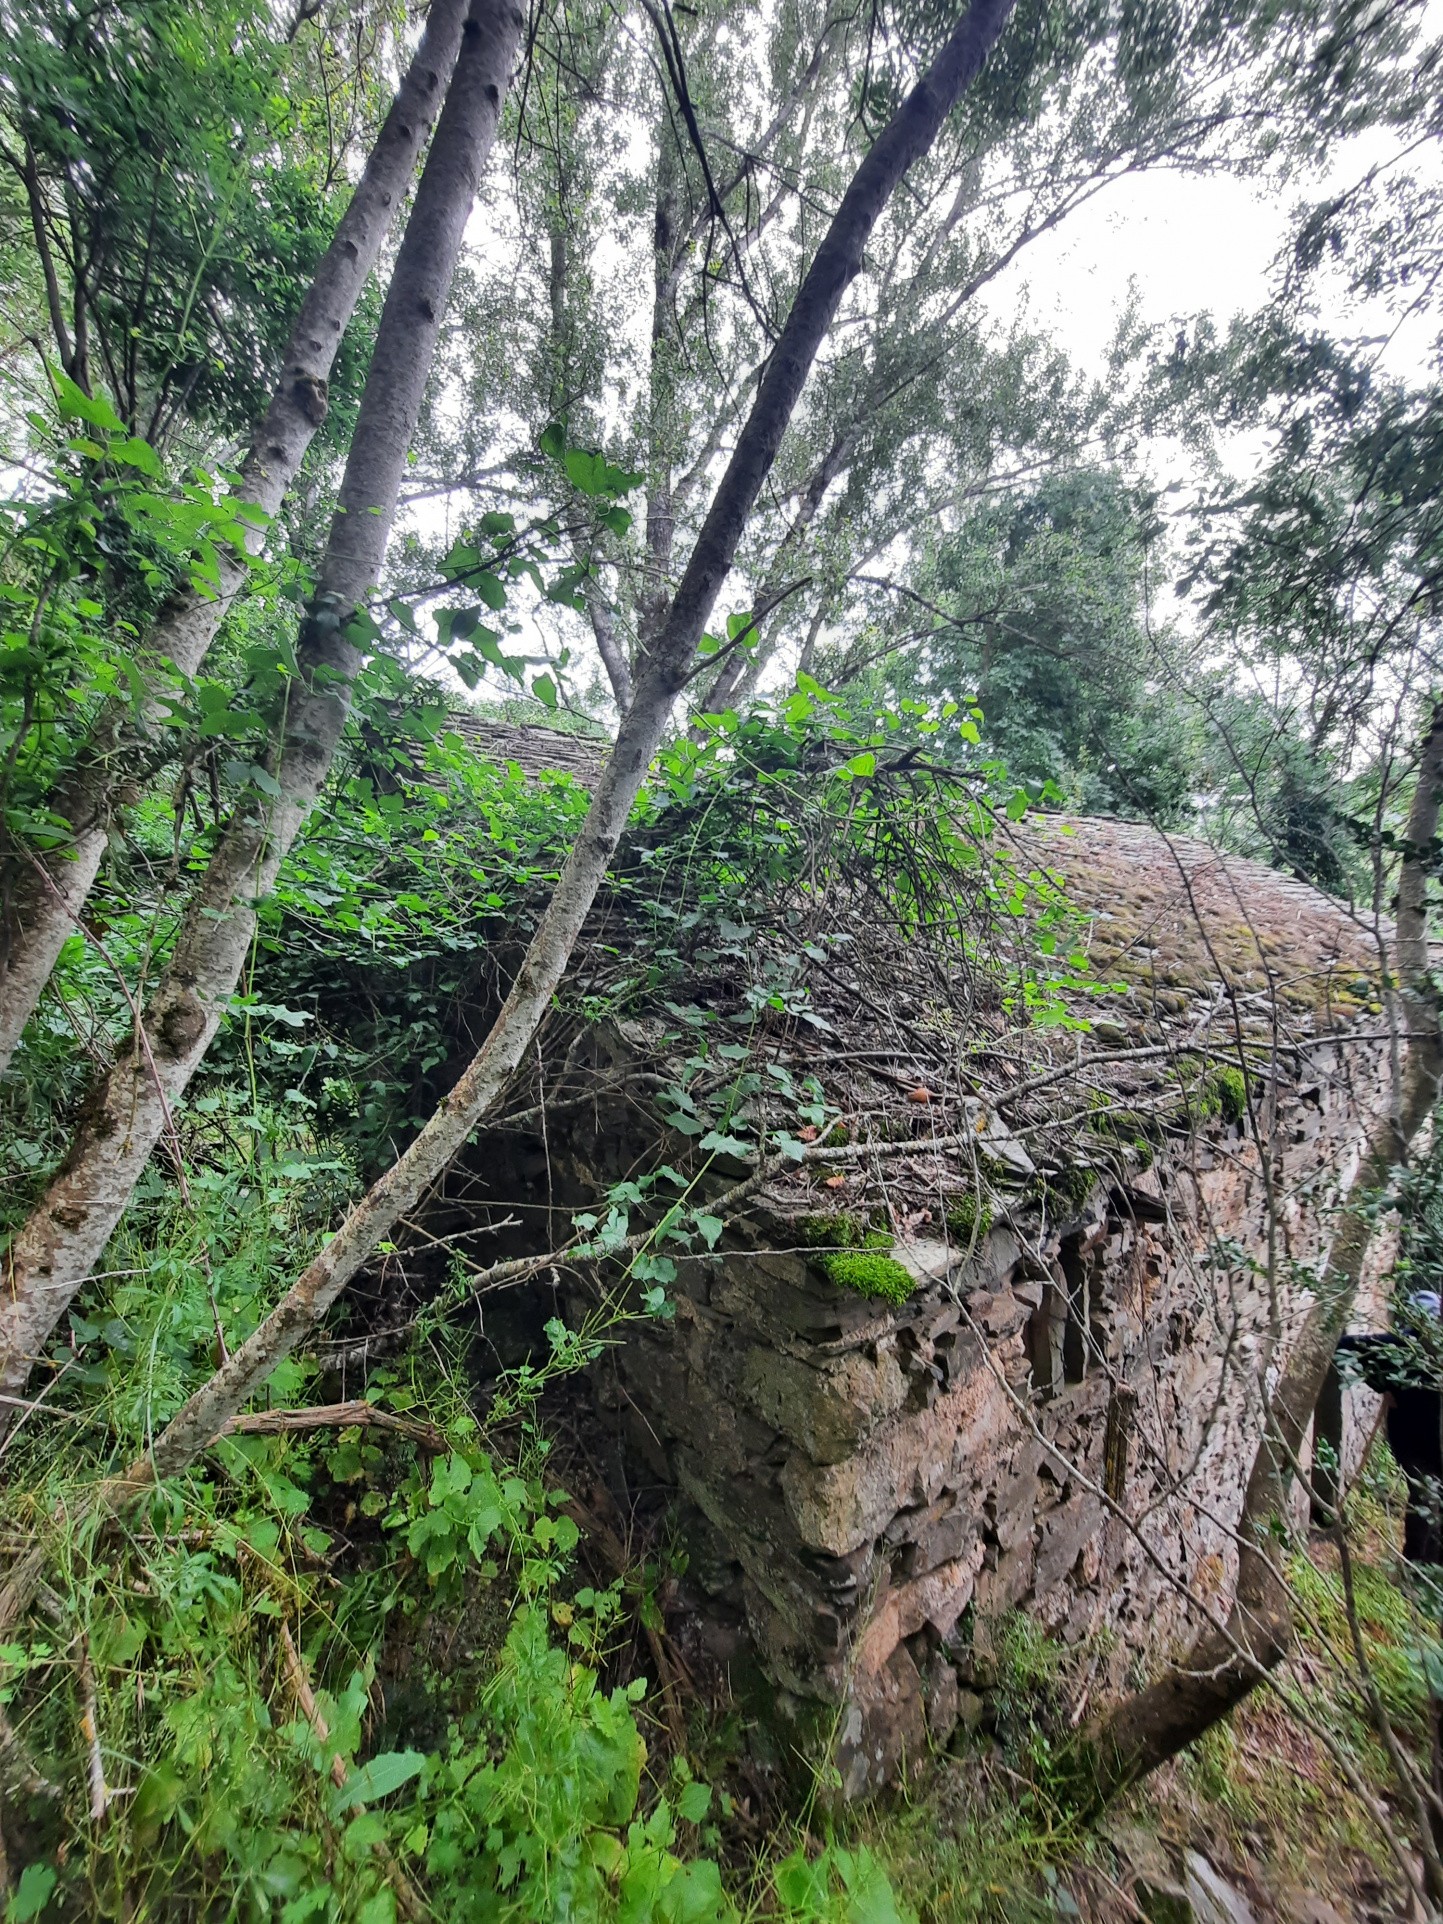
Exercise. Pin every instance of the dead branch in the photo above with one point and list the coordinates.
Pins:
(337, 1416)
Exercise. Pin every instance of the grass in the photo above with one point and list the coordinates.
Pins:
(982, 1838)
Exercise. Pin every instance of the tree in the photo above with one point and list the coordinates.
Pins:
(43, 893)
(906, 138)
(1037, 606)
(920, 406)
(69, 1228)
(1228, 1662)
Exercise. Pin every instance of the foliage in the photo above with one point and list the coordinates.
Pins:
(170, 176)
(530, 1794)
(161, 164)
(1040, 611)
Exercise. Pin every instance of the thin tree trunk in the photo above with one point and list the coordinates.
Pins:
(1153, 1725)
(907, 137)
(739, 672)
(662, 424)
(53, 1253)
(609, 644)
(42, 909)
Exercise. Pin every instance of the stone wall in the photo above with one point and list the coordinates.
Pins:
(870, 1487)
(1060, 1415)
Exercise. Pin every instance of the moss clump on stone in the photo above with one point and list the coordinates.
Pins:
(1146, 1154)
(868, 1273)
(1221, 1096)
(1069, 1189)
(1229, 1090)
(1111, 1118)
(842, 1229)
(969, 1217)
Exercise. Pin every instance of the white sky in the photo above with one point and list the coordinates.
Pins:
(1191, 244)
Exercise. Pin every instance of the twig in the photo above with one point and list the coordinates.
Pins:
(337, 1416)
(412, 1904)
(90, 1730)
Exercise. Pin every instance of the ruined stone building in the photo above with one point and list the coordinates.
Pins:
(998, 1336)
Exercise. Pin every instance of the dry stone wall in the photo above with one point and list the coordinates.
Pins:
(1059, 1420)
(1060, 1414)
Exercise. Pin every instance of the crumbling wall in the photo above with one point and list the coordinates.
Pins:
(1061, 1420)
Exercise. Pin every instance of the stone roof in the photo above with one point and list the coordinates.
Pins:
(1173, 917)
(1177, 918)
(534, 750)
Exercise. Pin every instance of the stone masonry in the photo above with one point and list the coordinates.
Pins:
(1061, 1416)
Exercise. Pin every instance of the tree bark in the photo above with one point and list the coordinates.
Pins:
(1225, 1666)
(665, 669)
(609, 644)
(57, 1247)
(42, 909)
(744, 664)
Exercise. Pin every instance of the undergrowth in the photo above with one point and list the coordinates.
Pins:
(333, 1668)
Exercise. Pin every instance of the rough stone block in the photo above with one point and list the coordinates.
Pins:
(827, 1408)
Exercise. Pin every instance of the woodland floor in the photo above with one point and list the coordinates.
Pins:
(1265, 1799)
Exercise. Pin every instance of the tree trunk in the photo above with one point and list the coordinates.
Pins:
(609, 644)
(53, 1253)
(1225, 1666)
(744, 664)
(906, 138)
(42, 908)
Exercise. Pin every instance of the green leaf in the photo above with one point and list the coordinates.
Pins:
(135, 453)
(552, 440)
(31, 1894)
(585, 469)
(544, 689)
(694, 1802)
(709, 1228)
(721, 1145)
(362, 628)
(381, 1777)
(77, 405)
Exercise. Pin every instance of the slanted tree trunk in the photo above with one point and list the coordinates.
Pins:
(664, 672)
(1223, 1668)
(41, 907)
(56, 1249)
(739, 672)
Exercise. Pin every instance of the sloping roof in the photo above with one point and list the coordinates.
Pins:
(1177, 918)
(536, 751)
(1172, 916)
(1218, 962)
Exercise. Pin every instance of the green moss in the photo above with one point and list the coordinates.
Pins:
(868, 1273)
(841, 1229)
(1069, 1189)
(969, 1217)
(1109, 1118)
(1145, 1151)
(1230, 1092)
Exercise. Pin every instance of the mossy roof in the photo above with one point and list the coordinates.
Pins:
(921, 1052)
(1176, 919)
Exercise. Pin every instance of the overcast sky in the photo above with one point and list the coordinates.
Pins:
(1191, 244)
